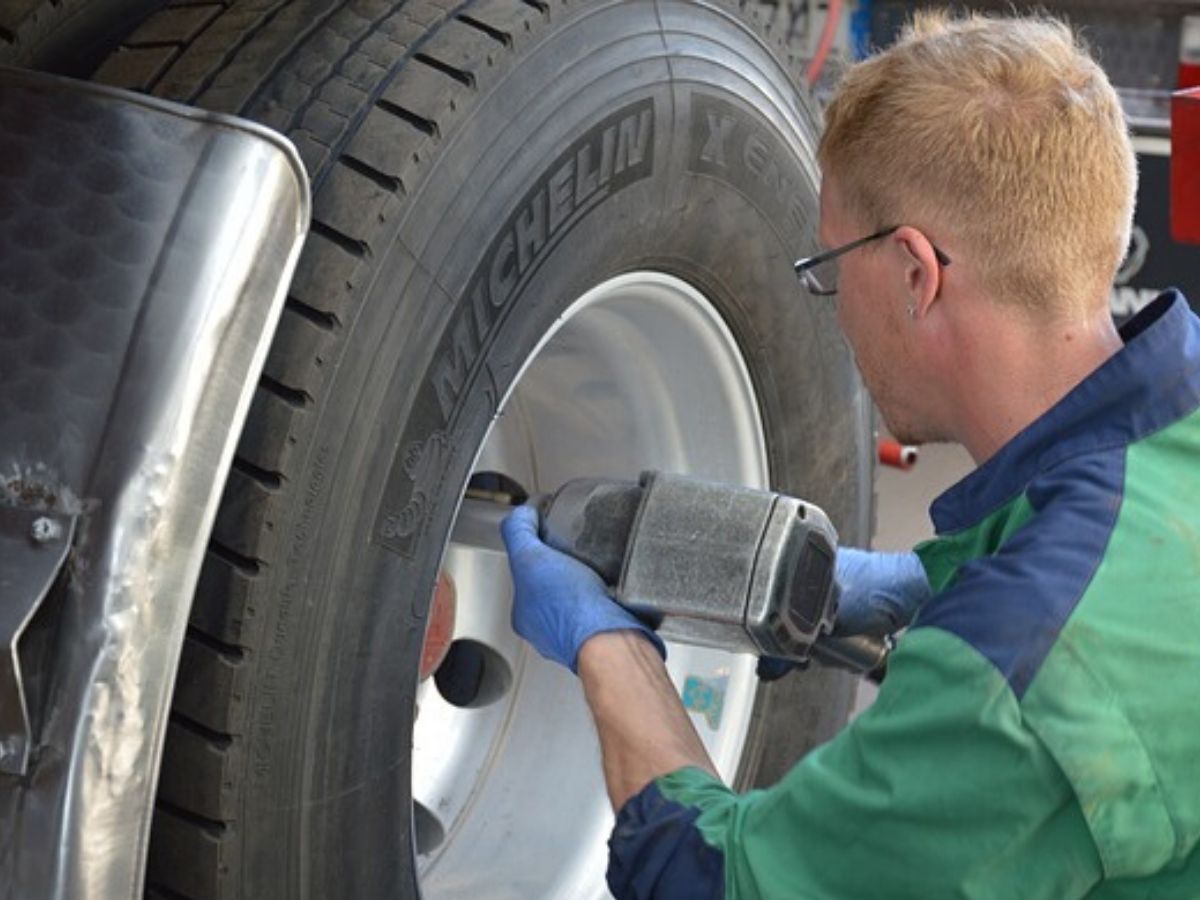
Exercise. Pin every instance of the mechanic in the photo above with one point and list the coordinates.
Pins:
(1038, 733)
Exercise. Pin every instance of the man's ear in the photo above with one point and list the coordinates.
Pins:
(922, 272)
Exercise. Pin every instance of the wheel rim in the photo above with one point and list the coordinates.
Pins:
(639, 373)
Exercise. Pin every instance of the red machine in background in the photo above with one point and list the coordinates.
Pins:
(1185, 166)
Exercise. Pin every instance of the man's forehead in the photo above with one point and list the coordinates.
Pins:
(826, 210)
(836, 221)
(830, 194)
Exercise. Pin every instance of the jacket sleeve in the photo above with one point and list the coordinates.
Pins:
(937, 790)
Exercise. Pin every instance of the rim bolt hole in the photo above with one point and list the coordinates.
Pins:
(497, 486)
(428, 833)
(472, 675)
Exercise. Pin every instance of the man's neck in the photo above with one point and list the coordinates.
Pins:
(1016, 373)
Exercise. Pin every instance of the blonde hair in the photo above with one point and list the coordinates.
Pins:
(1004, 133)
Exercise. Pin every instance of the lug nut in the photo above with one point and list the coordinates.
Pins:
(45, 530)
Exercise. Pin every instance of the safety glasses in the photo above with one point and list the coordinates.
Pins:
(819, 273)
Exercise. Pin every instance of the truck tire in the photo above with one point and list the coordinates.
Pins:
(597, 202)
(68, 37)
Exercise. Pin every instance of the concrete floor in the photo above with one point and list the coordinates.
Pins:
(903, 500)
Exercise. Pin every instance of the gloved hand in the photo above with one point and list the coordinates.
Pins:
(558, 602)
(880, 594)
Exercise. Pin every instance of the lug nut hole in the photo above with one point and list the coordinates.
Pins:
(472, 675)
(428, 832)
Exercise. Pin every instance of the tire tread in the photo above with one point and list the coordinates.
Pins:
(364, 112)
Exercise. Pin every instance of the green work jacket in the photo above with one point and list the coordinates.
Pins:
(1038, 733)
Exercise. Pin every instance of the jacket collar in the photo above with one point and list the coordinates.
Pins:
(1152, 381)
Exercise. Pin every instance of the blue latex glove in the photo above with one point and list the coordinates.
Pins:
(558, 602)
(880, 594)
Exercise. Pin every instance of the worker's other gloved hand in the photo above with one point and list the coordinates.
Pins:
(881, 592)
(558, 602)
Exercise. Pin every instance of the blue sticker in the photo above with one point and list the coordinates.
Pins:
(706, 697)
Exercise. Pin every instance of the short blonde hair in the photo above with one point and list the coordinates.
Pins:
(1002, 132)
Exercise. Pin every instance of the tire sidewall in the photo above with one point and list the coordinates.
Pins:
(721, 194)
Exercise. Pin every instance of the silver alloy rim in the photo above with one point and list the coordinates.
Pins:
(639, 373)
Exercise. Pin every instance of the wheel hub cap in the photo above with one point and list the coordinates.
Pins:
(509, 801)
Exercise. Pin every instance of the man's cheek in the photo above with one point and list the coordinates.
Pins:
(844, 317)
(841, 315)
(848, 319)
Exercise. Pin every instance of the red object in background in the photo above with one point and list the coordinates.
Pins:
(833, 17)
(1189, 53)
(1185, 166)
(440, 631)
(897, 455)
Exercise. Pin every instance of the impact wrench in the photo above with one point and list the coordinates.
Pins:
(711, 564)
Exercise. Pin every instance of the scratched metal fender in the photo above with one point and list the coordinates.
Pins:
(146, 248)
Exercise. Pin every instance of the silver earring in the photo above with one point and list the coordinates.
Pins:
(912, 312)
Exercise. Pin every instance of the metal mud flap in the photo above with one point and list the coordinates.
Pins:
(145, 250)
